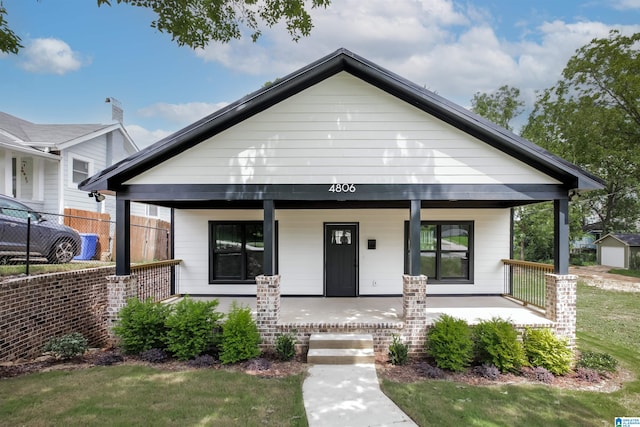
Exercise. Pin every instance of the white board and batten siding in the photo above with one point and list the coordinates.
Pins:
(342, 130)
(301, 257)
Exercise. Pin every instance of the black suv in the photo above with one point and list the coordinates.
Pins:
(56, 242)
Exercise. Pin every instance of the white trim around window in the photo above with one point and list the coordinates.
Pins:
(79, 169)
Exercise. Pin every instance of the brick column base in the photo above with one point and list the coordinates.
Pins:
(560, 305)
(119, 290)
(414, 304)
(268, 309)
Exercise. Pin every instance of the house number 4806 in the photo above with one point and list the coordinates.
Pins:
(342, 188)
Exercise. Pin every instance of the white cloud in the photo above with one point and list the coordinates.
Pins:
(626, 4)
(144, 137)
(180, 113)
(50, 55)
(448, 46)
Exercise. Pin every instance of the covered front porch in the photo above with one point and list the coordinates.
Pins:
(409, 316)
(389, 310)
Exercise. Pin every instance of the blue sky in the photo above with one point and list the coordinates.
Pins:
(76, 54)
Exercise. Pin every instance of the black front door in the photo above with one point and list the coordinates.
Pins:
(341, 260)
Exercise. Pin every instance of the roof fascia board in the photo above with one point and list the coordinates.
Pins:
(89, 136)
(473, 124)
(30, 151)
(612, 236)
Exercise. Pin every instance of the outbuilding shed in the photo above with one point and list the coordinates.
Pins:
(619, 250)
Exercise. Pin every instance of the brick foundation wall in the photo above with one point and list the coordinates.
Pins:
(412, 330)
(267, 310)
(560, 305)
(119, 290)
(414, 305)
(37, 308)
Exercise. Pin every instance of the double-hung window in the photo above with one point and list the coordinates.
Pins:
(446, 251)
(236, 250)
(80, 170)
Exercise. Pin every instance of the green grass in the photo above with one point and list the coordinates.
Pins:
(608, 321)
(40, 268)
(624, 272)
(142, 396)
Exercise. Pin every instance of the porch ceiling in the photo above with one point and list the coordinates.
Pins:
(346, 204)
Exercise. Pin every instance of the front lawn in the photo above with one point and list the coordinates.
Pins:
(608, 321)
(141, 396)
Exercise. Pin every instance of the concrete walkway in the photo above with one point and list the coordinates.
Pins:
(349, 395)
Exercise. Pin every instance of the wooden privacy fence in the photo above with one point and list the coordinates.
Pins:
(150, 237)
(91, 223)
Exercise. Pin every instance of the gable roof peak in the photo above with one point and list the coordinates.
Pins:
(338, 61)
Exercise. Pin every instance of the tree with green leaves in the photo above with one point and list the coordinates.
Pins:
(591, 117)
(9, 41)
(500, 107)
(195, 23)
(533, 224)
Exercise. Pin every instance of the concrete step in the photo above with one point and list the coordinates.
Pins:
(345, 341)
(340, 356)
(340, 349)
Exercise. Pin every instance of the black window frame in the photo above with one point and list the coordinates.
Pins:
(439, 251)
(212, 246)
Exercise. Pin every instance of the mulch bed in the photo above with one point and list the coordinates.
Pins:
(268, 366)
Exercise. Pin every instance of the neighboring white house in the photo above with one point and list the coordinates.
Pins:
(42, 164)
(340, 178)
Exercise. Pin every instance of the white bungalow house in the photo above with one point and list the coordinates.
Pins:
(339, 179)
(42, 164)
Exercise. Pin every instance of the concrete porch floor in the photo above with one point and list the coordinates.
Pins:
(389, 309)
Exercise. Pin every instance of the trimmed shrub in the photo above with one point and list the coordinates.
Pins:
(398, 352)
(154, 355)
(429, 371)
(108, 358)
(286, 346)
(489, 372)
(496, 343)
(538, 374)
(543, 348)
(202, 361)
(588, 375)
(240, 336)
(449, 343)
(141, 325)
(601, 362)
(191, 328)
(67, 346)
(258, 364)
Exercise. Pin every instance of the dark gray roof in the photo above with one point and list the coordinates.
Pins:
(343, 60)
(630, 239)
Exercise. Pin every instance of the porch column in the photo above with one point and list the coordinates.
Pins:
(123, 237)
(414, 238)
(119, 290)
(414, 305)
(269, 238)
(561, 239)
(560, 305)
(268, 309)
